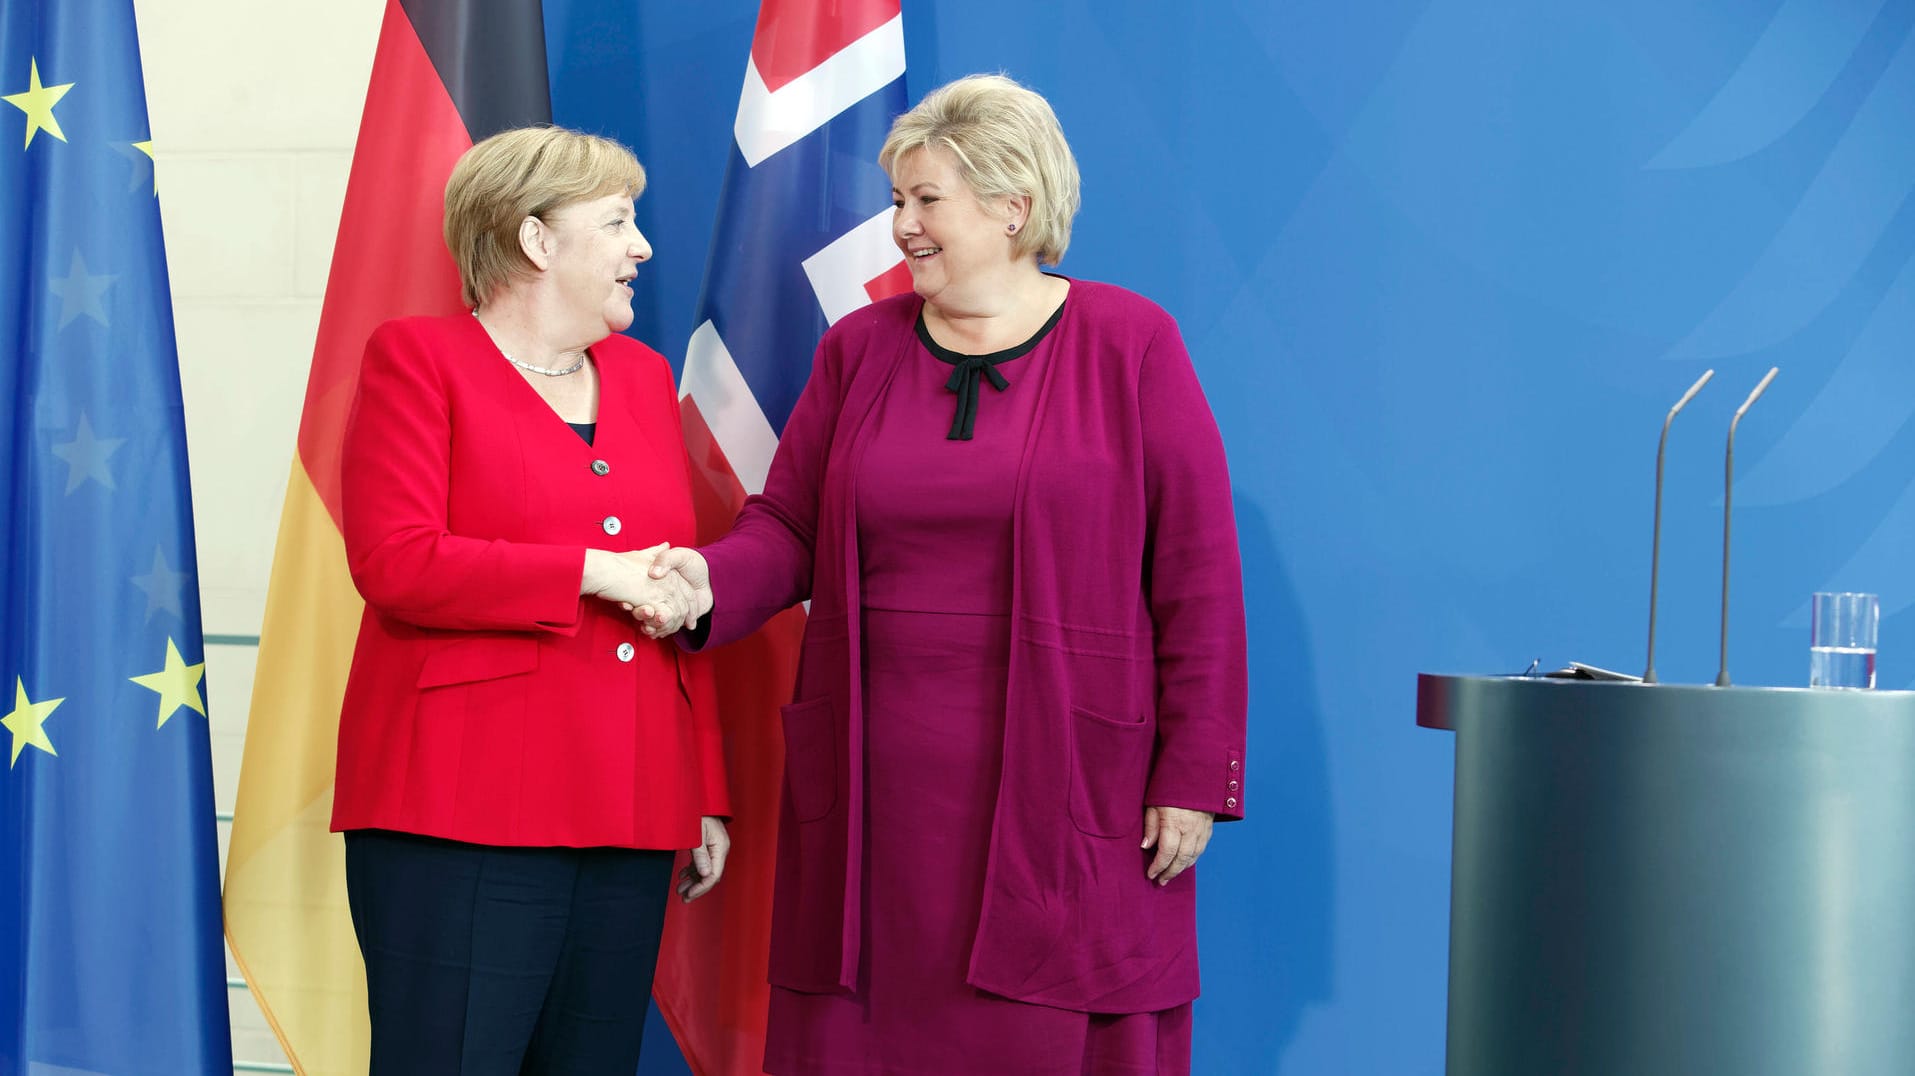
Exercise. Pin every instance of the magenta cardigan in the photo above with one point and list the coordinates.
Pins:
(1127, 679)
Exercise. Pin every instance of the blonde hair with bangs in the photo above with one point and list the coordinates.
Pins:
(520, 173)
(1006, 142)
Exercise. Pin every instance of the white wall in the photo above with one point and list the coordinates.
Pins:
(254, 109)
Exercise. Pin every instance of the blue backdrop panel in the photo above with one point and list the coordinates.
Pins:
(1442, 267)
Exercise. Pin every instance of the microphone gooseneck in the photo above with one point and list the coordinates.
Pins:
(1728, 491)
(1655, 537)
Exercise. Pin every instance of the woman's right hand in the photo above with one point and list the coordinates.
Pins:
(623, 578)
(686, 568)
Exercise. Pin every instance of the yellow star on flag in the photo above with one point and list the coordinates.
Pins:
(146, 147)
(37, 102)
(177, 683)
(27, 722)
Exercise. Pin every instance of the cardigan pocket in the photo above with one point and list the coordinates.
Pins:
(479, 657)
(1110, 761)
(811, 758)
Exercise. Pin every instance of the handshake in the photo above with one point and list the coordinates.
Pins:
(664, 588)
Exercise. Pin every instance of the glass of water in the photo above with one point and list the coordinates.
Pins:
(1842, 640)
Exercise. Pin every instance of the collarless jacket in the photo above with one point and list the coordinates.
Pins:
(488, 702)
(1127, 678)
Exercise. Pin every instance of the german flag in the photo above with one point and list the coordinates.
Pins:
(447, 73)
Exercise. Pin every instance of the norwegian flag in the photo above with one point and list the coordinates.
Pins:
(803, 237)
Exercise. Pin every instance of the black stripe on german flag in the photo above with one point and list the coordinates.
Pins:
(446, 73)
(490, 54)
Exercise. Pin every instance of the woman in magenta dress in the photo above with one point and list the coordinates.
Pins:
(1021, 699)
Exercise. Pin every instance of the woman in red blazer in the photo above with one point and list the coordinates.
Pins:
(517, 762)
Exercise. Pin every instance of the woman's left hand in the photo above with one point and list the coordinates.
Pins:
(708, 860)
(1180, 835)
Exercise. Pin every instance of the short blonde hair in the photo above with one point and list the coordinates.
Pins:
(1006, 141)
(520, 173)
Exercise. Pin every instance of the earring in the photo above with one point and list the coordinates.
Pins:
(1011, 228)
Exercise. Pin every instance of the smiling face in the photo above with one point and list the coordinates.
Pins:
(595, 250)
(953, 243)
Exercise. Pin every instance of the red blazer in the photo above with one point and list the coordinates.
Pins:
(488, 702)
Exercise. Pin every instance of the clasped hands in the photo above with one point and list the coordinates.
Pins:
(663, 587)
(650, 585)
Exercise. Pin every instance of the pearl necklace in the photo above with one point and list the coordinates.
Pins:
(572, 369)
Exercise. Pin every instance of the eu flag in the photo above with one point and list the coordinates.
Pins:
(110, 957)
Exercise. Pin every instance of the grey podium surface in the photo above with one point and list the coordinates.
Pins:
(1679, 880)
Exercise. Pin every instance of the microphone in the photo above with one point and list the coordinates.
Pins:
(1655, 539)
(1728, 489)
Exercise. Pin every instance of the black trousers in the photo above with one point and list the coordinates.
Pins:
(490, 961)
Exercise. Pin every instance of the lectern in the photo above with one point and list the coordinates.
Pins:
(1679, 881)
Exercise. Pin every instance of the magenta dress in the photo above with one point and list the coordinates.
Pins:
(934, 507)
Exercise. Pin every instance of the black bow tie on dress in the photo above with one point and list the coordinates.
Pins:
(964, 381)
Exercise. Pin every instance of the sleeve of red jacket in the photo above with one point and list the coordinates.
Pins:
(764, 565)
(395, 477)
(1195, 589)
